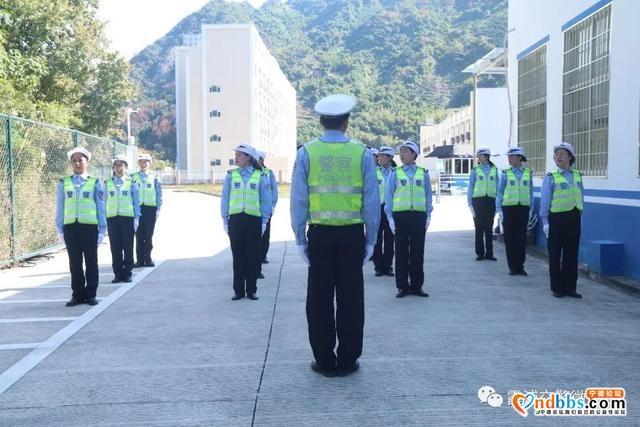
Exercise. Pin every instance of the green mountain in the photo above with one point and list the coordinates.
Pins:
(401, 59)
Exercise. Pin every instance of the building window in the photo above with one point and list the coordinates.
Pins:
(585, 101)
(232, 162)
(215, 138)
(213, 89)
(214, 113)
(215, 162)
(532, 108)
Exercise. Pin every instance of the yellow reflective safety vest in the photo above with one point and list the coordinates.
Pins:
(80, 206)
(517, 192)
(147, 193)
(245, 196)
(335, 182)
(381, 183)
(409, 194)
(566, 196)
(485, 186)
(119, 199)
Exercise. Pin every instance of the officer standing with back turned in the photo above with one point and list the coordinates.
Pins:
(334, 189)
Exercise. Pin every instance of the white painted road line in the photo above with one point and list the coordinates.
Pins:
(23, 346)
(31, 301)
(38, 319)
(29, 288)
(31, 360)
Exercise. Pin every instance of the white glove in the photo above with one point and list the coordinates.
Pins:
(392, 226)
(100, 238)
(264, 227)
(302, 250)
(226, 228)
(501, 216)
(473, 211)
(545, 229)
(368, 251)
(157, 213)
(426, 226)
(61, 238)
(136, 223)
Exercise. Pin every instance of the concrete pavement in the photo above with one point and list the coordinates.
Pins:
(172, 349)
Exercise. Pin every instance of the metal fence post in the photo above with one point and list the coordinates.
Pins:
(76, 140)
(12, 196)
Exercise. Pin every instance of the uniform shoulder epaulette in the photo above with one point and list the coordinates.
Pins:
(230, 171)
(549, 173)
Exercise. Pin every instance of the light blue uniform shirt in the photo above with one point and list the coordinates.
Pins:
(503, 183)
(263, 194)
(98, 197)
(410, 170)
(117, 181)
(472, 181)
(300, 192)
(158, 187)
(273, 190)
(547, 193)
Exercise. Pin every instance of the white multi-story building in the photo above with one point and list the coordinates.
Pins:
(573, 76)
(230, 90)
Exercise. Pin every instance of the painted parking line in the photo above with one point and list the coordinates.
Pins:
(29, 287)
(38, 319)
(32, 301)
(22, 346)
(44, 349)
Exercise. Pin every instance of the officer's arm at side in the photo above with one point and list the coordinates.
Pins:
(390, 188)
(546, 193)
(427, 195)
(472, 184)
(100, 204)
(224, 202)
(300, 197)
(60, 208)
(265, 199)
(500, 192)
(370, 199)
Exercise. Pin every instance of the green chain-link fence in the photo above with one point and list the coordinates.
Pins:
(33, 158)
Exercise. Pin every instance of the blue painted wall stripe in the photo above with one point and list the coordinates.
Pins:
(616, 194)
(590, 11)
(533, 47)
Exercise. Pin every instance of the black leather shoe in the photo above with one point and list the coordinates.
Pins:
(138, 264)
(419, 293)
(322, 371)
(149, 263)
(558, 295)
(127, 279)
(117, 280)
(252, 297)
(343, 372)
(522, 273)
(491, 258)
(389, 272)
(266, 261)
(236, 297)
(573, 294)
(379, 273)
(260, 276)
(512, 273)
(73, 302)
(91, 301)
(402, 293)
(479, 258)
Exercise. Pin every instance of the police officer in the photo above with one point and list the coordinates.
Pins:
(272, 187)
(150, 204)
(334, 188)
(383, 251)
(245, 208)
(408, 207)
(561, 206)
(123, 214)
(514, 205)
(81, 225)
(481, 198)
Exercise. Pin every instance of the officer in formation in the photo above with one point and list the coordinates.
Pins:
(334, 189)
(383, 251)
(272, 186)
(481, 198)
(81, 224)
(123, 214)
(150, 204)
(514, 205)
(408, 208)
(246, 208)
(561, 206)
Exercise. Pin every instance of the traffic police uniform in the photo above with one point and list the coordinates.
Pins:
(383, 251)
(81, 224)
(334, 188)
(272, 188)
(150, 196)
(245, 209)
(481, 198)
(514, 204)
(123, 214)
(561, 206)
(408, 207)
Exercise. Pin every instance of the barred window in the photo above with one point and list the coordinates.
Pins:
(532, 108)
(585, 106)
(215, 113)
(215, 138)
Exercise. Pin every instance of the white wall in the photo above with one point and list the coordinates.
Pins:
(492, 123)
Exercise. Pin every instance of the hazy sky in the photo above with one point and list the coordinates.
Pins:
(134, 24)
